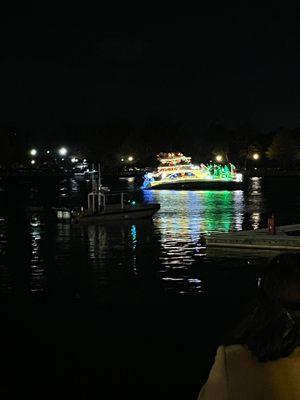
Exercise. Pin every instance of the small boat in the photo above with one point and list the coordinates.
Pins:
(106, 206)
(84, 175)
(176, 171)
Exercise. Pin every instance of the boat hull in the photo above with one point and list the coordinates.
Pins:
(137, 212)
(196, 184)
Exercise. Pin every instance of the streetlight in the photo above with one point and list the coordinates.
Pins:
(63, 151)
(130, 158)
(33, 152)
(219, 158)
(255, 156)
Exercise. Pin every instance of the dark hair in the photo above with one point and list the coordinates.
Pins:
(271, 330)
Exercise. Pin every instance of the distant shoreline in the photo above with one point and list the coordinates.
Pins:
(259, 172)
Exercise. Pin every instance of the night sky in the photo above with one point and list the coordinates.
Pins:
(81, 65)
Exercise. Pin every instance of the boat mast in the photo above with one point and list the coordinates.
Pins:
(99, 177)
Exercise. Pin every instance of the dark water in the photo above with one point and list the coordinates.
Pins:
(131, 309)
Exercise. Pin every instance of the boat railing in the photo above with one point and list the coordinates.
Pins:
(99, 201)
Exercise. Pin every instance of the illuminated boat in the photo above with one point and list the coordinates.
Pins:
(176, 171)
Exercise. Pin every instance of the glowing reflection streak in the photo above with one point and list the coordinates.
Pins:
(6, 282)
(183, 218)
(37, 270)
(133, 233)
(255, 202)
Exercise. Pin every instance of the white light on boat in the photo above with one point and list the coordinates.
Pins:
(239, 177)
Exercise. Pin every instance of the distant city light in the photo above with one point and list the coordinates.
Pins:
(48, 151)
(122, 159)
(32, 162)
(84, 160)
(255, 156)
(74, 159)
(63, 151)
(219, 158)
(130, 158)
(33, 152)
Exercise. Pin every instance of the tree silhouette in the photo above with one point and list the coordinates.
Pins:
(284, 147)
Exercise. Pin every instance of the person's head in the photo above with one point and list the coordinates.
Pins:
(271, 331)
(279, 283)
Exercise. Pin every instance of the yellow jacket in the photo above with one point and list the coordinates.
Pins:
(237, 375)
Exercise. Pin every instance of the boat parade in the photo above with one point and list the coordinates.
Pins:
(176, 171)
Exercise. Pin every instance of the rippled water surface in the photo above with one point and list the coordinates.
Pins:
(166, 253)
(124, 304)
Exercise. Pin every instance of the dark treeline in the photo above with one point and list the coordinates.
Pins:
(115, 138)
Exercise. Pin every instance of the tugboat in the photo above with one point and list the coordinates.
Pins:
(176, 171)
(106, 206)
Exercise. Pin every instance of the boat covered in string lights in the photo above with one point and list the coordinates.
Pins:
(176, 171)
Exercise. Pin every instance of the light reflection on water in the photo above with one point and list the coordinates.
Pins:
(130, 257)
(184, 218)
(37, 269)
(6, 285)
(255, 201)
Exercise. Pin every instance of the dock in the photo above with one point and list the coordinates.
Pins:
(287, 238)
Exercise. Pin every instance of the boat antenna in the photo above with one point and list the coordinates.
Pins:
(94, 183)
(99, 176)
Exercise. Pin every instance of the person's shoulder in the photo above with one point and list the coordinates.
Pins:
(232, 351)
(236, 350)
